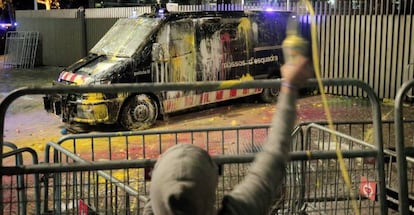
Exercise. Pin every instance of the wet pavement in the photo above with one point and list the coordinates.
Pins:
(11, 79)
(26, 124)
(14, 78)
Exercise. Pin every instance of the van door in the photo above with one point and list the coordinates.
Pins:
(268, 51)
(173, 54)
(225, 48)
(236, 36)
(209, 49)
(182, 51)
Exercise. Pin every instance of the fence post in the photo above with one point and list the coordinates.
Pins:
(81, 16)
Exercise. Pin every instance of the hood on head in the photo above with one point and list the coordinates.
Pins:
(184, 181)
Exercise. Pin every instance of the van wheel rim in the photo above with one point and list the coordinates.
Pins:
(140, 112)
(274, 91)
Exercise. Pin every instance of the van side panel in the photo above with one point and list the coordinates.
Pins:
(221, 48)
(231, 48)
(268, 51)
(177, 62)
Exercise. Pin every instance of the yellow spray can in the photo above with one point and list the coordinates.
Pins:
(294, 44)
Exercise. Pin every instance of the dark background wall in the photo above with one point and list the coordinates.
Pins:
(60, 41)
(96, 28)
(67, 35)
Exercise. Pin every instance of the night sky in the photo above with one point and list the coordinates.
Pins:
(23, 4)
(29, 4)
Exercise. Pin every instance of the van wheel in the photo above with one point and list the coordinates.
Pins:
(269, 95)
(140, 112)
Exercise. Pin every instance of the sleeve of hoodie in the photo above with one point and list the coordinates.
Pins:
(256, 192)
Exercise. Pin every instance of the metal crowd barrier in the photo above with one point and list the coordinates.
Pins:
(21, 192)
(313, 184)
(20, 50)
(310, 186)
(115, 180)
(363, 131)
(404, 196)
(129, 186)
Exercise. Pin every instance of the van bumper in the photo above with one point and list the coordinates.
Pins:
(80, 111)
(92, 113)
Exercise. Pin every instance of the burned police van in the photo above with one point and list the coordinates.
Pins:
(172, 47)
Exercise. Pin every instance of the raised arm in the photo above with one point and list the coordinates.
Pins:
(256, 192)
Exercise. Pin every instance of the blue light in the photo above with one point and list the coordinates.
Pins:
(269, 9)
(7, 25)
(161, 11)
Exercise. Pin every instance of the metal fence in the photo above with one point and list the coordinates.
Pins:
(122, 191)
(108, 173)
(313, 185)
(20, 50)
(405, 153)
(21, 192)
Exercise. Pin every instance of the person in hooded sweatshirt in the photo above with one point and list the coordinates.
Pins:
(184, 178)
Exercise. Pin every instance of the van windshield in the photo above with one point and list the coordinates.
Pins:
(126, 36)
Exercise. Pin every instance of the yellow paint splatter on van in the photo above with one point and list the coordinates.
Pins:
(183, 64)
(176, 69)
(244, 29)
(231, 83)
(247, 77)
(189, 39)
(94, 105)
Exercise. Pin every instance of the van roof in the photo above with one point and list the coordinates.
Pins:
(221, 14)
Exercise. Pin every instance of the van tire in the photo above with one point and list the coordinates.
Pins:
(139, 112)
(270, 95)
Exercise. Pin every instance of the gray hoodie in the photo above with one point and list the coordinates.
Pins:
(184, 179)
